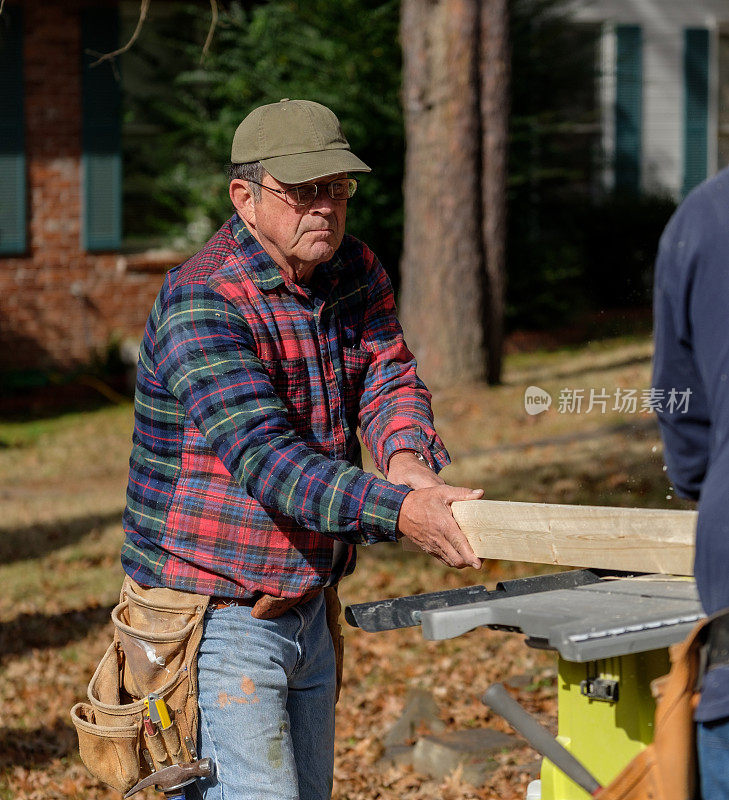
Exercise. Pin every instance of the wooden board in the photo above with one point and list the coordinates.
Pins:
(644, 540)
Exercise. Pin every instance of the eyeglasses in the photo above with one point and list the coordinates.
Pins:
(304, 194)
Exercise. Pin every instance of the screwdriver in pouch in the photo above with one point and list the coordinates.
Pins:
(154, 739)
(160, 715)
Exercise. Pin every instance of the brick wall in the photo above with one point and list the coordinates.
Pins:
(59, 305)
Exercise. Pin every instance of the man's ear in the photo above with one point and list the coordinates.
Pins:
(242, 198)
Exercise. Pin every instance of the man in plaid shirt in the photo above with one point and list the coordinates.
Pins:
(261, 356)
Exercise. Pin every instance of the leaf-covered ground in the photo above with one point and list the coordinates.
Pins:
(62, 489)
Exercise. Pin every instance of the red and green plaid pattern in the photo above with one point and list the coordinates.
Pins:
(244, 469)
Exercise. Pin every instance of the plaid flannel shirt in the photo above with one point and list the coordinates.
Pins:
(245, 466)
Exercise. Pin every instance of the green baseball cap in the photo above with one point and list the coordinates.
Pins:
(295, 141)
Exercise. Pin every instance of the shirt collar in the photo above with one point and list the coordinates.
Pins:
(261, 267)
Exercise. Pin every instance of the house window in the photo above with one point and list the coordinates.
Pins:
(628, 107)
(696, 106)
(12, 147)
(101, 132)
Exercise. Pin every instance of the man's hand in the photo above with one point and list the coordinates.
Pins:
(406, 469)
(426, 518)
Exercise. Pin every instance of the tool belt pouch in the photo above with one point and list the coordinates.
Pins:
(667, 768)
(157, 635)
(333, 610)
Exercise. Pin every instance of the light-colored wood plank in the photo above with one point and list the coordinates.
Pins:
(640, 539)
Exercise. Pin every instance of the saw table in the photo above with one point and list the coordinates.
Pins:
(611, 631)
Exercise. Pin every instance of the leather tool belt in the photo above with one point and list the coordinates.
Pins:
(157, 634)
(667, 768)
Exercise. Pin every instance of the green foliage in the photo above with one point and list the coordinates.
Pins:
(620, 236)
(553, 141)
(588, 254)
(569, 248)
(345, 55)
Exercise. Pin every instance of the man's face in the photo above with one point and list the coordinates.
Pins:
(297, 238)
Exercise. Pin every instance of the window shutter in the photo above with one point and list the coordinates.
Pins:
(628, 107)
(101, 132)
(696, 106)
(12, 146)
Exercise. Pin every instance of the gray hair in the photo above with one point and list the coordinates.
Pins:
(252, 171)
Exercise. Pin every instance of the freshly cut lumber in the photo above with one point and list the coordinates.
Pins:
(639, 539)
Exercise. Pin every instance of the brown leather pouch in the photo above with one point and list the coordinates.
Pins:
(334, 609)
(667, 769)
(157, 634)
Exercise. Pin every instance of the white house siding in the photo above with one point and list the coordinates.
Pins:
(662, 108)
(662, 23)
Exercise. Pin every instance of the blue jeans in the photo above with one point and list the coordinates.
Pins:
(266, 697)
(713, 750)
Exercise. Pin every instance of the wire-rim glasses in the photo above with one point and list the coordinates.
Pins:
(305, 193)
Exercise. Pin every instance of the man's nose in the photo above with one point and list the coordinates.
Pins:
(323, 204)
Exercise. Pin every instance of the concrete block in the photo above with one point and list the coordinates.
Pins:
(473, 750)
(397, 755)
(420, 712)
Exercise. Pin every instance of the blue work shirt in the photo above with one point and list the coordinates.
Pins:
(691, 330)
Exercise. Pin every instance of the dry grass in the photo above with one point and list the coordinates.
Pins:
(62, 495)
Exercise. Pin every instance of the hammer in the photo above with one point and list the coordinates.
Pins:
(169, 779)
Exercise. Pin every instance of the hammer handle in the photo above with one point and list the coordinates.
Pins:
(498, 699)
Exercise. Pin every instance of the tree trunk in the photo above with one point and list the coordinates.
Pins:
(455, 97)
(442, 265)
(495, 75)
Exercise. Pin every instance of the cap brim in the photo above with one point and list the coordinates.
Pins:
(301, 167)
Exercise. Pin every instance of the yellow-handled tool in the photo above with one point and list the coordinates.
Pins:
(158, 711)
(163, 721)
